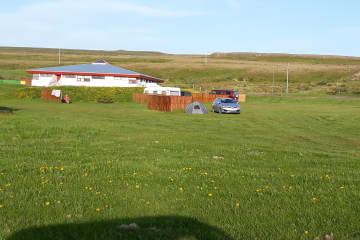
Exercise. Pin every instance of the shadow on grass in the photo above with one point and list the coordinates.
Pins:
(8, 110)
(149, 228)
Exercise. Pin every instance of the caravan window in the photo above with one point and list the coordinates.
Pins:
(174, 93)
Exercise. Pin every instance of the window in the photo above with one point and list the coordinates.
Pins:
(132, 81)
(36, 76)
(228, 93)
(163, 93)
(69, 76)
(46, 75)
(117, 78)
(98, 77)
(83, 78)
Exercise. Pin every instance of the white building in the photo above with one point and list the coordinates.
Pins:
(168, 91)
(97, 74)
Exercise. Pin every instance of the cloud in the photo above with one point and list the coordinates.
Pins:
(84, 23)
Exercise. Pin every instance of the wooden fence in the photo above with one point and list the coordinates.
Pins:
(46, 95)
(171, 103)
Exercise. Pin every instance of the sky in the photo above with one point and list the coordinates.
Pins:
(330, 27)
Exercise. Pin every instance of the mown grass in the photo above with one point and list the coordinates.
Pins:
(286, 168)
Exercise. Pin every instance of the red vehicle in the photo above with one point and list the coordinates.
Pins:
(231, 93)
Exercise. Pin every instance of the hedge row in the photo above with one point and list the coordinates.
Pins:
(84, 93)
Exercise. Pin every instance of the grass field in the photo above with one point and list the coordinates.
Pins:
(286, 168)
(249, 73)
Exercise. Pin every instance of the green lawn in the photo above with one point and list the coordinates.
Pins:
(286, 168)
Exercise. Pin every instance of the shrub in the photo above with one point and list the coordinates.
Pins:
(85, 93)
(30, 93)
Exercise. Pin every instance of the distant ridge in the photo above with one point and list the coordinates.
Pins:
(255, 54)
(80, 51)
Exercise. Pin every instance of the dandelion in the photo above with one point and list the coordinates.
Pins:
(306, 232)
(314, 199)
(86, 174)
(58, 201)
(47, 204)
(134, 174)
(258, 190)
(237, 205)
(61, 183)
(8, 185)
(181, 189)
(86, 188)
(98, 209)
(290, 187)
(137, 186)
(171, 179)
(90, 188)
(342, 187)
(210, 194)
(215, 188)
(292, 175)
(62, 169)
(1, 206)
(147, 202)
(97, 193)
(110, 181)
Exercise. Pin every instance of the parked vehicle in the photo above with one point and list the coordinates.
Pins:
(231, 93)
(186, 93)
(167, 91)
(225, 105)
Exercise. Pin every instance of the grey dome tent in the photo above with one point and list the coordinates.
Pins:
(196, 108)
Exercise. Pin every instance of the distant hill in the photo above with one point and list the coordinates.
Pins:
(78, 51)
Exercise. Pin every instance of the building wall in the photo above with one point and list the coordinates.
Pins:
(88, 81)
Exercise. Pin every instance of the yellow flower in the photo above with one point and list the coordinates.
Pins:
(86, 174)
(314, 199)
(181, 189)
(137, 186)
(290, 187)
(258, 190)
(97, 193)
(90, 188)
(47, 204)
(98, 209)
(110, 181)
(215, 188)
(210, 194)
(86, 188)
(292, 175)
(342, 187)
(62, 169)
(1, 206)
(61, 183)
(237, 204)
(306, 232)
(147, 202)
(7, 185)
(59, 201)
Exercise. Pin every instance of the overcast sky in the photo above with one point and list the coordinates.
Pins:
(186, 26)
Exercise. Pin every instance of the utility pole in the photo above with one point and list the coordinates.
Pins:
(59, 57)
(287, 79)
(273, 85)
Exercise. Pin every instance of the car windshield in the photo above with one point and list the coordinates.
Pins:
(228, 101)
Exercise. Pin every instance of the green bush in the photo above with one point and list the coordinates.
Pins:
(28, 92)
(84, 93)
